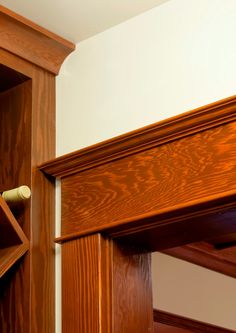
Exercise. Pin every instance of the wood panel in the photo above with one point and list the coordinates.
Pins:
(177, 323)
(132, 290)
(193, 168)
(27, 139)
(82, 280)
(31, 42)
(104, 286)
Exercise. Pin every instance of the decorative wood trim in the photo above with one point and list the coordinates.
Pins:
(163, 132)
(154, 222)
(32, 42)
(186, 323)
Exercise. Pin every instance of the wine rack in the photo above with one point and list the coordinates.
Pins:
(13, 242)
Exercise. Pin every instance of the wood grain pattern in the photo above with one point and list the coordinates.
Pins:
(86, 286)
(31, 42)
(193, 168)
(206, 255)
(27, 122)
(13, 242)
(154, 135)
(106, 287)
(132, 290)
(191, 325)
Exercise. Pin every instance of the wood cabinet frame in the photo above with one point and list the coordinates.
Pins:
(27, 124)
(166, 185)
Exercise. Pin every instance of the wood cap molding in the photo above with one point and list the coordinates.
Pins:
(31, 42)
(154, 135)
(193, 325)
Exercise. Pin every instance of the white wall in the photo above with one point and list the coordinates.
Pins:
(189, 290)
(176, 57)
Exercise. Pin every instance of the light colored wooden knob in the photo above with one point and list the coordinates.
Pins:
(17, 194)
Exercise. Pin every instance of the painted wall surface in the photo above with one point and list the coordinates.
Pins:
(176, 57)
(192, 291)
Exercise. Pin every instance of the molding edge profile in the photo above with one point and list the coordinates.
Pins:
(166, 131)
(194, 326)
(31, 42)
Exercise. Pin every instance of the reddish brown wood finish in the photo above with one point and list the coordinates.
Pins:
(13, 242)
(166, 185)
(193, 168)
(27, 123)
(106, 287)
(31, 42)
(163, 132)
(177, 323)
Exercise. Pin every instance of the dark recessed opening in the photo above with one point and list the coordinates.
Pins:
(10, 78)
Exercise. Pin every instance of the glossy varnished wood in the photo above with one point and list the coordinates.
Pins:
(27, 139)
(132, 290)
(163, 132)
(31, 42)
(193, 168)
(86, 285)
(106, 287)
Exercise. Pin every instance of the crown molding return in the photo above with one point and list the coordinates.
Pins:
(31, 42)
(169, 130)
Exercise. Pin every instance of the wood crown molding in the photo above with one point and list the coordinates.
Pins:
(154, 135)
(194, 326)
(32, 42)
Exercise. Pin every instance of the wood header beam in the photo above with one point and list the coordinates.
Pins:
(32, 42)
(160, 133)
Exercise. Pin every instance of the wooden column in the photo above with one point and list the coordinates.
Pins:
(106, 287)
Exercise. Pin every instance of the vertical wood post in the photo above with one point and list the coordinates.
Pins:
(106, 287)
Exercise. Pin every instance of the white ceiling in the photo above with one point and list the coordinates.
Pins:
(77, 20)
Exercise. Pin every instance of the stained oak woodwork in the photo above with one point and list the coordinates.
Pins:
(171, 323)
(154, 135)
(105, 287)
(32, 42)
(27, 123)
(164, 186)
(13, 242)
(27, 127)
